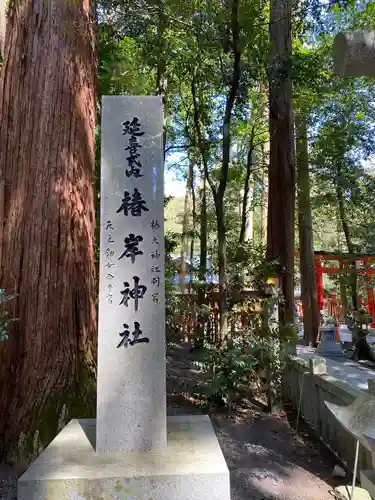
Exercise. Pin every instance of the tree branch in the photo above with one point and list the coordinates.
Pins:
(182, 146)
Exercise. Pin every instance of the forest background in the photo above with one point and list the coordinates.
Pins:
(275, 150)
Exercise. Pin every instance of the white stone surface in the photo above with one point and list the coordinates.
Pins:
(131, 399)
(343, 369)
(192, 468)
(354, 53)
(358, 418)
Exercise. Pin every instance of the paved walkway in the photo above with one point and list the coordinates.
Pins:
(351, 372)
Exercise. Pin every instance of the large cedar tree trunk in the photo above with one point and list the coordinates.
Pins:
(281, 195)
(306, 240)
(2, 28)
(47, 120)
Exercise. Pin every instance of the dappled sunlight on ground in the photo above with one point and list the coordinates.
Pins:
(266, 458)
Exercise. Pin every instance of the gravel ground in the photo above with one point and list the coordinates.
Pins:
(266, 458)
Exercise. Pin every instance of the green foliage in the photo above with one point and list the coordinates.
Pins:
(343, 185)
(149, 47)
(258, 352)
(252, 355)
(121, 67)
(4, 315)
(230, 366)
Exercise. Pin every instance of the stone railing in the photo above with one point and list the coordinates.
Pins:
(318, 387)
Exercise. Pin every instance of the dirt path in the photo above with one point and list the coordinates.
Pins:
(266, 458)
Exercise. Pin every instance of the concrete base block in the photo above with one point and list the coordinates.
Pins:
(192, 468)
(368, 481)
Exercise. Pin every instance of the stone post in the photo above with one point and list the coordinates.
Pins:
(131, 400)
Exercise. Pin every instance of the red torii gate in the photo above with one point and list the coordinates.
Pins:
(343, 259)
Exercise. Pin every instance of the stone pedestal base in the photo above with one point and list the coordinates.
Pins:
(192, 468)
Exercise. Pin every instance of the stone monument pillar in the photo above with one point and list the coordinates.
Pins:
(131, 402)
(131, 451)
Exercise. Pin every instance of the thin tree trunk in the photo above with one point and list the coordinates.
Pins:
(219, 198)
(194, 221)
(246, 232)
(185, 227)
(161, 72)
(306, 240)
(343, 293)
(249, 227)
(219, 192)
(281, 196)
(348, 239)
(203, 231)
(223, 279)
(47, 110)
(264, 194)
(202, 259)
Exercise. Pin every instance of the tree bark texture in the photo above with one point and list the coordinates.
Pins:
(306, 239)
(47, 121)
(2, 28)
(280, 230)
